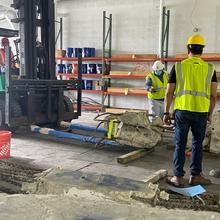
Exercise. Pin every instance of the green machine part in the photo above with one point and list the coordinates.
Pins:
(2, 83)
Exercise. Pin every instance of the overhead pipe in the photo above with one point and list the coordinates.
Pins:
(78, 137)
(160, 27)
(82, 127)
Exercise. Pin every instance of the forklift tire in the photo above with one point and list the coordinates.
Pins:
(68, 104)
(16, 112)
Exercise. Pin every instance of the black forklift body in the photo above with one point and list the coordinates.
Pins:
(36, 91)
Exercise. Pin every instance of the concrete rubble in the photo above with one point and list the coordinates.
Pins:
(211, 142)
(135, 129)
(61, 194)
(215, 137)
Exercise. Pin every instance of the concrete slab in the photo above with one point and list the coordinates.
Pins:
(85, 205)
(45, 151)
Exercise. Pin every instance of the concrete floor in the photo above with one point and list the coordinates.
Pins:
(45, 152)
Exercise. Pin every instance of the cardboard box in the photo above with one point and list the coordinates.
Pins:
(145, 56)
(127, 73)
(123, 56)
(205, 55)
(137, 56)
(123, 110)
(126, 91)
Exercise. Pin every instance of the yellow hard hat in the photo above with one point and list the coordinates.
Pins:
(196, 39)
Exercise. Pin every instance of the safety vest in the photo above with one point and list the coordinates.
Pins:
(3, 57)
(159, 86)
(193, 85)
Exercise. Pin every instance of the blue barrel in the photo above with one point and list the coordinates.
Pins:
(64, 68)
(83, 84)
(92, 52)
(84, 68)
(88, 52)
(69, 68)
(88, 84)
(61, 68)
(77, 52)
(92, 68)
(99, 68)
(69, 52)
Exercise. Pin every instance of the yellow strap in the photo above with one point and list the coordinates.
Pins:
(110, 128)
(126, 91)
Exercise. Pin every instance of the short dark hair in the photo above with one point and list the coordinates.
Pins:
(195, 49)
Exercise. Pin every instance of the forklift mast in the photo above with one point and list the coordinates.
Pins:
(37, 37)
(36, 96)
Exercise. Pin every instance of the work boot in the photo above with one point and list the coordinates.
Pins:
(176, 181)
(199, 180)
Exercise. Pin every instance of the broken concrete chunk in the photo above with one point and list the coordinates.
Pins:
(156, 176)
(164, 195)
(150, 196)
(134, 129)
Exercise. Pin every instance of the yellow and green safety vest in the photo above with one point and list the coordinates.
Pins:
(193, 85)
(159, 86)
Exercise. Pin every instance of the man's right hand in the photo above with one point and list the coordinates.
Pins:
(209, 120)
(152, 90)
(167, 120)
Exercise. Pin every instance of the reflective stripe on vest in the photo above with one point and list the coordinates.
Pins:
(185, 92)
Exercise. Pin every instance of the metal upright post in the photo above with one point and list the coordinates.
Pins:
(60, 33)
(79, 90)
(7, 85)
(165, 34)
(106, 52)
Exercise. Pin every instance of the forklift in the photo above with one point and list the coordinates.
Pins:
(35, 96)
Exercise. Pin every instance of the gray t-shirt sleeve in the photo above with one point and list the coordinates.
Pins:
(148, 83)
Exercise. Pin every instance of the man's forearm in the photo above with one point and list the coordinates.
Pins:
(213, 101)
(213, 97)
(167, 102)
(169, 96)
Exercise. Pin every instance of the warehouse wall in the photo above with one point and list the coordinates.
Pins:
(136, 29)
(6, 10)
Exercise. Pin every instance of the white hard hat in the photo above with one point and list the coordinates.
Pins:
(158, 65)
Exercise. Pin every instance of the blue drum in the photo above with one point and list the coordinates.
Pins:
(84, 68)
(92, 52)
(77, 52)
(88, 52)
(61, 68)
(83, 84)
(88, 84)
(69, 52)
(92, 68)
(99, 68)
(69, 68)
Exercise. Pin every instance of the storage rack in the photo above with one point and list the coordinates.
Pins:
(107, 60)
(71, 76)
(106, 55)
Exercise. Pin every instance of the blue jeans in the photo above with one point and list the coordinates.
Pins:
(184, 120)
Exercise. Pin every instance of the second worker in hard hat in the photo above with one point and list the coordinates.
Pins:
(156, 83)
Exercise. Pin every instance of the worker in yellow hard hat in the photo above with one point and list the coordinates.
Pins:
(156, 83)
(192, 86)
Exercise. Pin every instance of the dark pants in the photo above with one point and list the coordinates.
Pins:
(184, 120)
